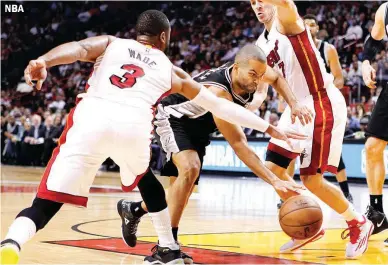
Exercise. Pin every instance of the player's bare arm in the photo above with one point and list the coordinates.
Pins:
(371, 47)
(238, 141)
(87, 50)
(259, 96)
(335, 66)
(288, 16)
(280, 84)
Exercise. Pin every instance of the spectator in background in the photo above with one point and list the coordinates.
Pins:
(13, 133)
(52, 133)
(360, 110)
(58, 103)
(363, 126)
(353, 123)
(32, 146)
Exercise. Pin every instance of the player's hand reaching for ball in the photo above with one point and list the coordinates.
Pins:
(303, 113)
(282, 186)
(35, 71)
(368, 74)
(278, 133)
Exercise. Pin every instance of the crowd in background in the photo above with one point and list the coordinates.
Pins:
(204, 35)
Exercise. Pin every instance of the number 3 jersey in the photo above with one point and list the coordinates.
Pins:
(297, 59)
(131, 74)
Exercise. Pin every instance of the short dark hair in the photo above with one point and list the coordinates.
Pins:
(310, 16)
(152, 23)
(250, 52)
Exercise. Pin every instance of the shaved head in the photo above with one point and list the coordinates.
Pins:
(250, 52)
(250, 66)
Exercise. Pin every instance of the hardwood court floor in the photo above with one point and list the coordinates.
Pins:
(230, 220)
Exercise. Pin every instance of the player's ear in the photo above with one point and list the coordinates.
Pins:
(163, 37)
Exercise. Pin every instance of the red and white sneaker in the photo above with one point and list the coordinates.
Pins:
(359, 233)
(295, 244)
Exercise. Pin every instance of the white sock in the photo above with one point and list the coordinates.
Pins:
(350, 214)
(21, 230)
(162, 224)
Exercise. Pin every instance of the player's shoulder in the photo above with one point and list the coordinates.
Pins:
(219, 76)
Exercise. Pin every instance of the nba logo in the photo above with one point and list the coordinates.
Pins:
(14, 8)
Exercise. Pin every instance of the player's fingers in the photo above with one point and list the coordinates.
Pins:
(32, 63)
(373, 75)
(301, 120)
(297, 136)
(292, 118)
(27, 77)
(39, 84)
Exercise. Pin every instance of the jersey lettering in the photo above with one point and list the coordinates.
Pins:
(273, 59)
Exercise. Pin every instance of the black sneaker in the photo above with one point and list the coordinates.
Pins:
(280, 204)
(189, 259)
(378, 219)
(349, 197)
(129, 222)
(164, 255)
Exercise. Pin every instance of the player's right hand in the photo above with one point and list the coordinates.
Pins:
(35, 71)
(287, 186)
(278, 133)
(368, 74)
(303, 113)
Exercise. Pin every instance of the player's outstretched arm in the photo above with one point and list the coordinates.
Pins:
(182, 83)
(371, 47)
(287, 12)
(335, 66)
(87, 50)
(280, 84)
(238, 141)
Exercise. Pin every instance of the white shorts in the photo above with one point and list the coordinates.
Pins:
(95, 130)
(321, 151)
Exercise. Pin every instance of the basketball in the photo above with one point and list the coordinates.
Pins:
(300, 217)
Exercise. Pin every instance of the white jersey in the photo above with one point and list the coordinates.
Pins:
(132, 74)
(297, 59)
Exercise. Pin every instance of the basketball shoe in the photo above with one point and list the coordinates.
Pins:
(378, 219)
(9, 252)
(359, 233)
(295, 244)
(164, 255)
(386, 242)
(129, 222)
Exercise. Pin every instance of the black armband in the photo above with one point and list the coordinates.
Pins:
(371, 48)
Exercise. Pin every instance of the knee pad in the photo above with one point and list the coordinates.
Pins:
(278, 159)
(41, 212)
(152, 192)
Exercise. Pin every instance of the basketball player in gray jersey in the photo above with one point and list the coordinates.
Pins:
(377, 131)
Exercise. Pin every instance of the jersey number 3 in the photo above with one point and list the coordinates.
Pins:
(133, 72)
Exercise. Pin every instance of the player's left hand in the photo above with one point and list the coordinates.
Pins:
(287, 186)
(304, 114)
(35, 71)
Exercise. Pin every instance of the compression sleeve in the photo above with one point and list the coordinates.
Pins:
(371, 48)
(229, 111)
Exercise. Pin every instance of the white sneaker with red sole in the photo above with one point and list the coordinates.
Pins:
(295, 244)
(359, 233)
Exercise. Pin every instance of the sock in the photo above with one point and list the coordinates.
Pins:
(162, 224)
(21, 230)
(344, 187)
(137, 210)
(350, 214)
(175, 233)
(376, 201)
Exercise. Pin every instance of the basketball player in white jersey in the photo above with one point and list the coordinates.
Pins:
(114, 119)
(291, 50)
(377, 132)
(332, 64)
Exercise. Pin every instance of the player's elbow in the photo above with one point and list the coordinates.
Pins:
(339, 82)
